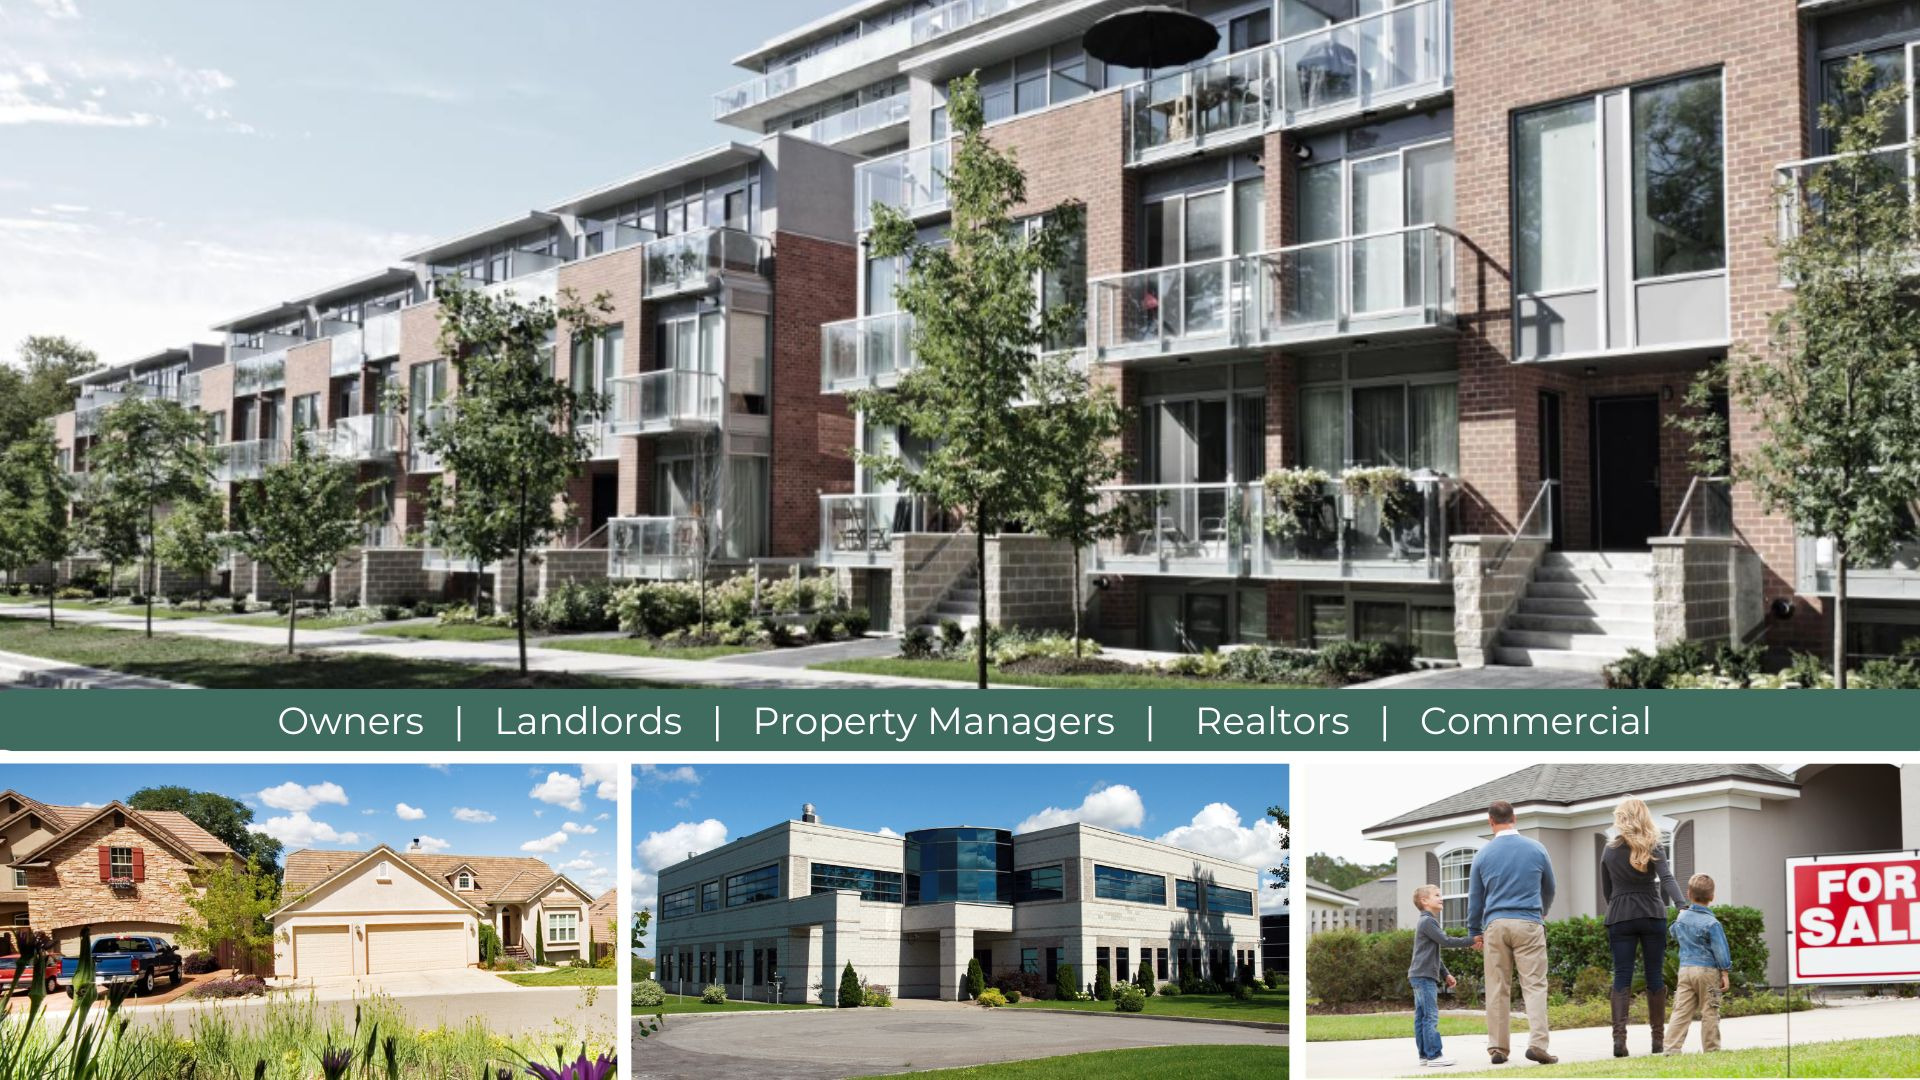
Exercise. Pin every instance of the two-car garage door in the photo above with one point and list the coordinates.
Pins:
(320, 951)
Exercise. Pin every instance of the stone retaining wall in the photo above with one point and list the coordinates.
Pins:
(925, 567)
(1483, 596)
(1029, 582)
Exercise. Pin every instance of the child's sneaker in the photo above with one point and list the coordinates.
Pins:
(1439, 1063)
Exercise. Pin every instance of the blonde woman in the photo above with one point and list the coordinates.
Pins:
(1637, 884)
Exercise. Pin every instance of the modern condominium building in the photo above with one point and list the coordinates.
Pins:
(777, 916)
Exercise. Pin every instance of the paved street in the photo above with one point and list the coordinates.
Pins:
(827, 1044)
(1856, 1019)
(1488, 678)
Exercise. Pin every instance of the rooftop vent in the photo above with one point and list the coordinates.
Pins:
(807, 815)
(414, 844)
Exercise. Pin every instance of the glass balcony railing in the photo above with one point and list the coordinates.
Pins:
(671, 399)
(1399, 279)
(1171, 308)
(860, 120)
(1706, 511)
(913, 182)
(349, 352)
(1189, 109)
(653, 548)
(260, 374)
(1180, 529)
(694, 261)
(419, 458)
(380, 336)
(189, 392)
(860, 354)
(1894, 168)
(868, 48)
(371, 437)
(1341, 532)
(1399, 54)
(863, 530)
(246, 459)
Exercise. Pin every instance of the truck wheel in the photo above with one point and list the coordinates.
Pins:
(145, 985)
(173, 977)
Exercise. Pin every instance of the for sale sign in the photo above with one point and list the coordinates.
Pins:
(1854, 918)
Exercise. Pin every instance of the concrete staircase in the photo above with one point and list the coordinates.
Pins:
(518, 952)
(1581, 612)
(961, 602)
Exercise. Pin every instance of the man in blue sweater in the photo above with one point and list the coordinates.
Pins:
(1508, 895)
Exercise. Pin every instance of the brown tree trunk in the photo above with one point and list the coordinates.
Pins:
(1839, 617)
(150, 567)
(520, 581)
(1076, 602)
(53, 581)
(980, 615)
(293, 615)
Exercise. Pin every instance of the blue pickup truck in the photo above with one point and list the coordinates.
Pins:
(137, 960)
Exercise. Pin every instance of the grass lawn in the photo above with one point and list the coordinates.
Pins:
(1269, 1006)
(566, 976)
(222, 665)
(1859, 1057)
(1151, 1063)
(628, 646)
(689, 1003)
(1359, 1026)
(457, 632)
(963, 671)
(268, 618)
(1563, 1016)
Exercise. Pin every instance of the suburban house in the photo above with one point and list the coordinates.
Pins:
(380, 911)
(109, 868)
(1738, 823)
(776, 915)
(1327, 907)
(602, 918)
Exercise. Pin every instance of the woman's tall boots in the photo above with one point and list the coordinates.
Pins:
(1657, 1018)
(1622, 1005)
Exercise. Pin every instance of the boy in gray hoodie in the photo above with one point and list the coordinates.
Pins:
(1428, 973)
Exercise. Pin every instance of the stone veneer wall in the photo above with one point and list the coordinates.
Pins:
(344, 582)
(1482, 600)
(1705, 590)
(391, 575)
(925, 566)
(69, 895)
(1029, 582)
(584, 565)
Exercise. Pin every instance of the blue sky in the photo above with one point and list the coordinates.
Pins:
(560, 813)
(1219, 809)
(164, 166)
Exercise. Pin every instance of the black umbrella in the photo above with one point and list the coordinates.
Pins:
(1151, 37)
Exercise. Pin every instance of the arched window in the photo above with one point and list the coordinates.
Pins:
(1456, 868)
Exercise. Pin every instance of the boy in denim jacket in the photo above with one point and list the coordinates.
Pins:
(1704, 964)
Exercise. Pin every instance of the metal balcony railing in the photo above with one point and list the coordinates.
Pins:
(1185, 308)
(383, 535)
(694, 261)
(671, 399)
(860, 354)
(1344, 533)
(859, 120)
(1397, 279)
(1706, 511)
(371, 437)
(1187, 110)
(246, 459)
(913, 182)
(1897, 170)
(862, 530)
(1193, 530)
(653, 548)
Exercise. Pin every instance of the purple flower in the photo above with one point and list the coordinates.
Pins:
(601, 1068)
(335, 1063)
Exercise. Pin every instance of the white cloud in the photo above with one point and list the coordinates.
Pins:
(297, 830)
(672, 845)
(685, 802)
(57, 9)
(884, 831)
(432, 845)
(546, 845)
(684, 774)
(1218, 831)
(303, 797)
(603, 779)
(1116, 806)
(560, 789)
(472, 816)
(580, 865)
(645, 890)
(408, 813)
(575, 829)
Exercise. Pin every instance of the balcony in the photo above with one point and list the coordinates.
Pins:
(1392, 57)
(372, 437)
(1793, 181)
(261, 373)
(861, 120)
(694, 261)
(864, 354)
(419, 458)
(348, 352)
(1182, 530)
(189, 392)
(1348, 533)
(1195, 307)
(246, 459)
(914, 182)
(1202, 106)
(653, 548)
(439, 560)
(864, 530)
(668, 400)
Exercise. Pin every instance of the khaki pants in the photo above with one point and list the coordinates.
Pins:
(1699, 993)
(1515, 946)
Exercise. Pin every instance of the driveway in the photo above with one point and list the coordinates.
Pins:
(401, 984)
(828, 1044)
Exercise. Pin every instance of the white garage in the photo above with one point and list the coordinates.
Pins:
(368, 914)
(320, 951)
(415, 947)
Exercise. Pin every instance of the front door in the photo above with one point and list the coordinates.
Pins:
(509, 936)
(1626, 472)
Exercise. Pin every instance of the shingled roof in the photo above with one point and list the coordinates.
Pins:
(175, 826)
(498, 879)
(1564, 785)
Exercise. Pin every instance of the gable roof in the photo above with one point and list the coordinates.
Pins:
(606, 905)
(500, 879)
(1320, 890)
(1565, 785)
(297, 895)
(170, 828)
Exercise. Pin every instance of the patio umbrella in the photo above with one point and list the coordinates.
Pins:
(1153, 36)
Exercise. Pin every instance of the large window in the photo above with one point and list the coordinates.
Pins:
(306, 413)
(884, 886)
(1039, 883)
(1423, 624)
(1224, 901)
(1679, 200)
(710, 896)
(754, 886)
(596, 361)
(1186, 895)
(959, 866)
(563, 927)
(1456, 869)
(1556, 180)
(1391, 408)
(1132, 886)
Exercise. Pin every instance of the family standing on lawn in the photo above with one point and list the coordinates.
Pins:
(1509, 892)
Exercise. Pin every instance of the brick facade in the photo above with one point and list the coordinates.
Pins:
(814, 283)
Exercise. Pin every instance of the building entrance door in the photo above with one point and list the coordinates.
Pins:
(1626, 472)
(507, 935)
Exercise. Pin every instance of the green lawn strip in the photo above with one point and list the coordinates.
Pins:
(628, 646)
(1566, 1015)
(963, 671)
(1269, 1008)
(268, 618)
(223, 665)
(456, 632)
(1149, 1063)
(161, 611)
(1898, 1056)
(687, 1003)
(566, 976)
(1361, 1026)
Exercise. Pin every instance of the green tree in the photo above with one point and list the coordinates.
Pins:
(40, 388)
(189, 539)
(1343, 875)
(1075, 450)
(152, 453)
(1282, 873)
(978, 333)
(1836, 397)
(1144, 977)
(1066, 983)
(976, 978)
(641, 918)
(1102, 983)
(852, 994)
(229, 904)
(227, 818)
(300, 518)
(33, 506)
(515, 436)
(109, 527)
(489, 945)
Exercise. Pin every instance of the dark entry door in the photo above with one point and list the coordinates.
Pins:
(1626, 472)
(606, 497)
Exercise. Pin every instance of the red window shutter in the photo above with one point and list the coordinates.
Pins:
(106, 864)
(139, 864)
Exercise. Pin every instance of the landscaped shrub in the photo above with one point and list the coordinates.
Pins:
(656, 607)
(1102, 984)
(573, 607)
(199, 963)
(236, 987)
(714, 994)
(857, 621)
(1129, 998)
(976, 979)
(1170, 989)
(991, 998)
(1144, 978)
(1067, 665)
(489, 944)
(1348, 662)
(1066, 982)
(851, 994)
(1273, 977)
(1241, 991)
(878, 996)
(1026, 983)
(640, 967)
(917, 644)
(649, 994)
(826, 627)
(1591, 983)
(953, 635)
(1013, 997)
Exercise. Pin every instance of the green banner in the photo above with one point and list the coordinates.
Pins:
(1067, 721)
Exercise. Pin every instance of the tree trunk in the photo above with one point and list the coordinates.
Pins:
(293, 616)
(150, 576)
(980, 571)
(1076, 602)
(53, 581)
(520, 580)
(1839, 617)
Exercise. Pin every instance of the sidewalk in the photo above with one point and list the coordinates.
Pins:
(1396, 1057)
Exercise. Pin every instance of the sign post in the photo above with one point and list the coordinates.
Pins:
(1851, 919)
